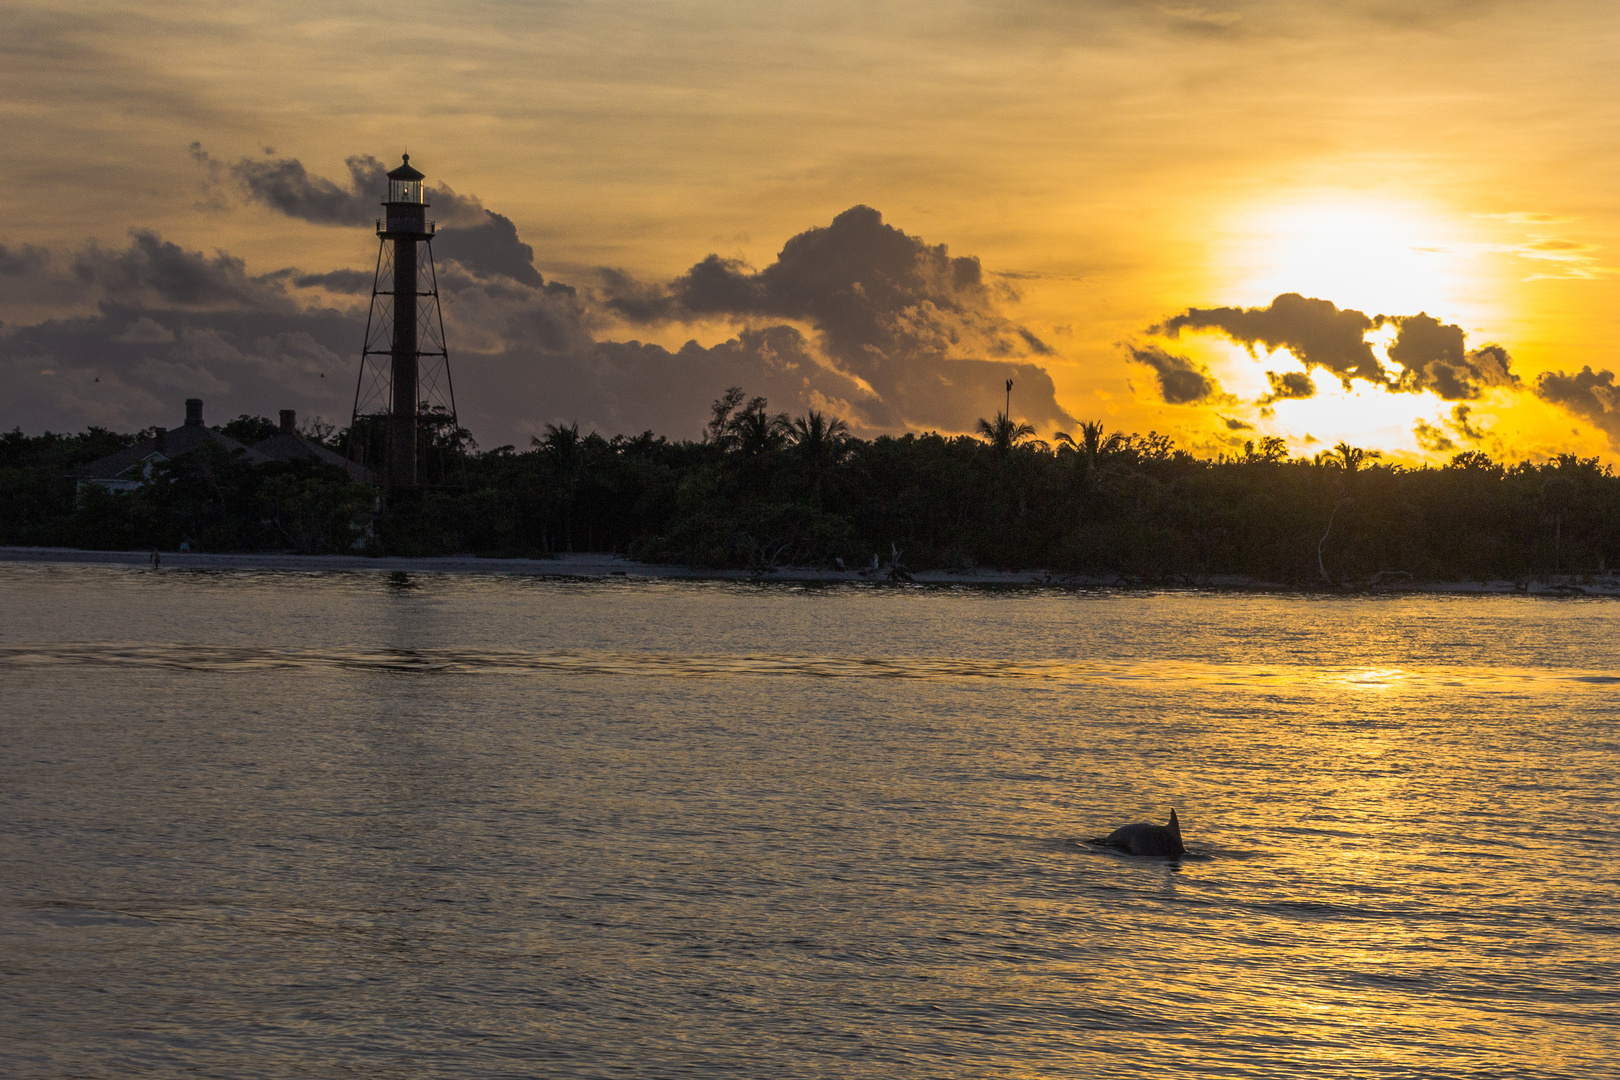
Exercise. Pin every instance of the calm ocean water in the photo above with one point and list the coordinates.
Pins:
(330, 825)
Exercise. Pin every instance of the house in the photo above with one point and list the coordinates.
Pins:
(127, 469)
(288, 445)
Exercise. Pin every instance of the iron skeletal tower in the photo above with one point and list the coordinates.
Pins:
(404, 424)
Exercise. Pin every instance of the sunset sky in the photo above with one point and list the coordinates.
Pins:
(1391, 222)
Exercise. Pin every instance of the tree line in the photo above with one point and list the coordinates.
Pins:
(763, 491)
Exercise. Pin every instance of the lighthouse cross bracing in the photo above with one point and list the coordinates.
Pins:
(374, 392)
(404, 424)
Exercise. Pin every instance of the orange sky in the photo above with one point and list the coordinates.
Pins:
(1110, 164)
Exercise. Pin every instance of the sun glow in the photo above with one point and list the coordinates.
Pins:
(1379, 257)
(1375, 257)
(1362, 415)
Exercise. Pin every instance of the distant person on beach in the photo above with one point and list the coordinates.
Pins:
(157, 559)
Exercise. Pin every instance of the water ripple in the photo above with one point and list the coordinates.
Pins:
(472, 661)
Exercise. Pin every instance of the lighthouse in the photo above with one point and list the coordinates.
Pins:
(404, 424)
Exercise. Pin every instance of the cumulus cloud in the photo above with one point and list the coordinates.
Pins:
(157, 323)
(1431, 355)
(353, 282)
(1296, 385)
(27, 259)
(1430, 437)
(921, 331)
(1462, 423)
(1182, 381)
(480, 239)
(856, 319)
(286, 186)
(637, 301)
(1317, 332)
(1591, 395)
(153, 270)
(490, 247)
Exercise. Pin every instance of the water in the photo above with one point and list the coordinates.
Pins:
(326, 825)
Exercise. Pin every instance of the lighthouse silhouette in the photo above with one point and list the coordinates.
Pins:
(404, 425)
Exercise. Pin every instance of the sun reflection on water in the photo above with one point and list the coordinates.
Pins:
(698, 831)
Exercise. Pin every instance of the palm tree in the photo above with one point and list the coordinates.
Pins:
(815, 436)
(1002, 434)
(564, 447)
(757, 431)
(1350, 458)
(1089, 446)
(820, 442)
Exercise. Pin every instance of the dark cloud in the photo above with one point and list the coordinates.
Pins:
(906, 336)
(1288, 385)
(1036, 345)
(153, 270)
(1591, 395)
(1234, 424)
(489, 247)
(1181, 380)
(284, 185)
(27, 259)
(719, 286)
(631, 386)
(353, 282)
(1432, 438)
(1433, 356)
(1317, 332)
(1463, 425)
(637, 301)
(921, 331)
(890, 334)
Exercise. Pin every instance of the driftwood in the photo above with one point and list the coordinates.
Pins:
(1323, 542)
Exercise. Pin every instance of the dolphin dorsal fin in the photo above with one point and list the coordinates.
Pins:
(1175, 826)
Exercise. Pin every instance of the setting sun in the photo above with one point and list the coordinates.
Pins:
(1377, 258)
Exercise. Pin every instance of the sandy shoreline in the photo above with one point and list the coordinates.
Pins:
(597, 566)
(582, 565)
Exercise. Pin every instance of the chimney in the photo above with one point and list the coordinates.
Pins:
(194, 412)
(289, 422)
(160, 439)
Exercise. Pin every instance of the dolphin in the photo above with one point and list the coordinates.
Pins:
(1141, 838)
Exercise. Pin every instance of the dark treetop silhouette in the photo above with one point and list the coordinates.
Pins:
(763, 491)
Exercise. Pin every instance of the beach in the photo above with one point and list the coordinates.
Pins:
(592, 565)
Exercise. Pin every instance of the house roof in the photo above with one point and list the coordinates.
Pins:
(291, 446)
(176, 443)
